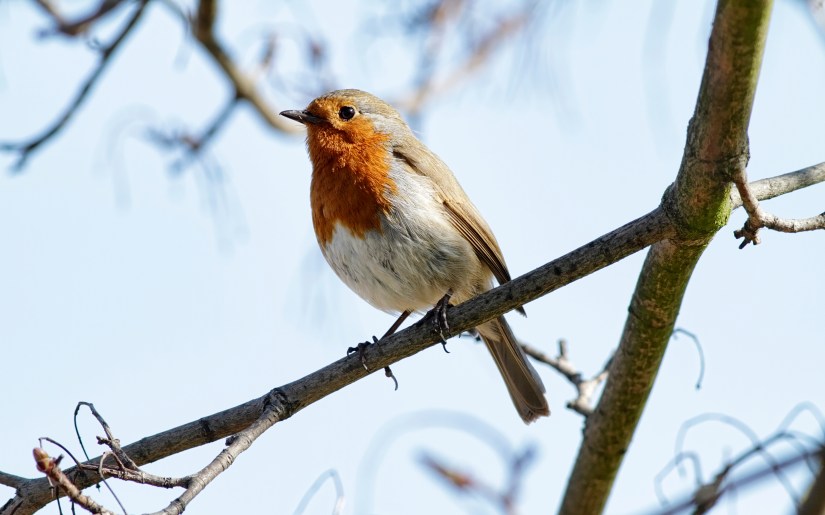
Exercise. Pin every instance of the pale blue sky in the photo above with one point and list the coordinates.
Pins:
(119, 285)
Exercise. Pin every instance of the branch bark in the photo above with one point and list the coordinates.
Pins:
(699, 203)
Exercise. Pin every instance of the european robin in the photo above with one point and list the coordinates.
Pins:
(398, 229)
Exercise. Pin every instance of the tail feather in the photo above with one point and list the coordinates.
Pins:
(522, 380)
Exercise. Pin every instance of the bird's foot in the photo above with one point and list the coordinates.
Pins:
(361, 349)
(439, 315)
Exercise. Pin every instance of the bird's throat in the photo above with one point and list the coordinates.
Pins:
(350, 181)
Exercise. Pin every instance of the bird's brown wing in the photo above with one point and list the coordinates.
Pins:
(463, 214)
(479, 236)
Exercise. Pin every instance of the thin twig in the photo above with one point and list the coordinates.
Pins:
(26, 149)
(698, 344)
(585, 388)
(505, 499)
(427, 86)
(706, 496)
(245, 89)
(82, 24)
(759, 218)
(136, 476)
(274, 411)
(50, 467)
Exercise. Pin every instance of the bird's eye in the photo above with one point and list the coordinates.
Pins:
(346, 112)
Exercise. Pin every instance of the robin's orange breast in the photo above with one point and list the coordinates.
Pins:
(350, 181)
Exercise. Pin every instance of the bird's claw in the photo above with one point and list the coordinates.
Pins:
(361, 349)
(439, 314)
(388, 373)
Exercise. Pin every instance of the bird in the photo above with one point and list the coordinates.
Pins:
(394, 224)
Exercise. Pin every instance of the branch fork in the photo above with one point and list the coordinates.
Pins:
(759, 218)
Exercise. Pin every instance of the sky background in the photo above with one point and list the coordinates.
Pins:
(164, 296)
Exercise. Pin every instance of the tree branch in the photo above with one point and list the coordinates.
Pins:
(758, 218)
(766, 189)
(707, 495)
(11, 480)
(50, 467)
(699, 204)
(83, 23)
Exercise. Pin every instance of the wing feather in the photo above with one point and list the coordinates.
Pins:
(463, 214)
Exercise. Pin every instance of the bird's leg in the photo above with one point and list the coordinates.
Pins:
(439, 314)
(394, 327)
(361, 348)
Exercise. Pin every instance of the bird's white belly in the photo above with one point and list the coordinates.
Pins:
(409, 264)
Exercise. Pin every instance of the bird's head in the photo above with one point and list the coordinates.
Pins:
(349, 116)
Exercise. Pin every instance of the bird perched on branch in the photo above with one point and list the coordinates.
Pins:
(398, 229)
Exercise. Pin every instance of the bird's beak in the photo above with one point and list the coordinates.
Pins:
(302, 116)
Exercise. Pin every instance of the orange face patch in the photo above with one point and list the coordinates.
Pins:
(350, 176)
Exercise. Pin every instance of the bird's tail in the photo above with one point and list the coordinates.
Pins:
(522, 380)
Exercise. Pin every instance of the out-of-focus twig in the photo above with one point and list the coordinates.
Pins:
(26, 148)
(332, 474)
(427, 84)
(706, 496)
(504, 498)
(82, 24)
(245, 88)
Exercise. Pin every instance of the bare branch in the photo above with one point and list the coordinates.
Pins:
(707, 495)
(273, 413)
(26, 149)
(50, 467)
(427, 86)
(504, 498)
(586, 388)
(766, 189)
(82, 24)
(12, 480)
(193, 145)
(758, 218)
